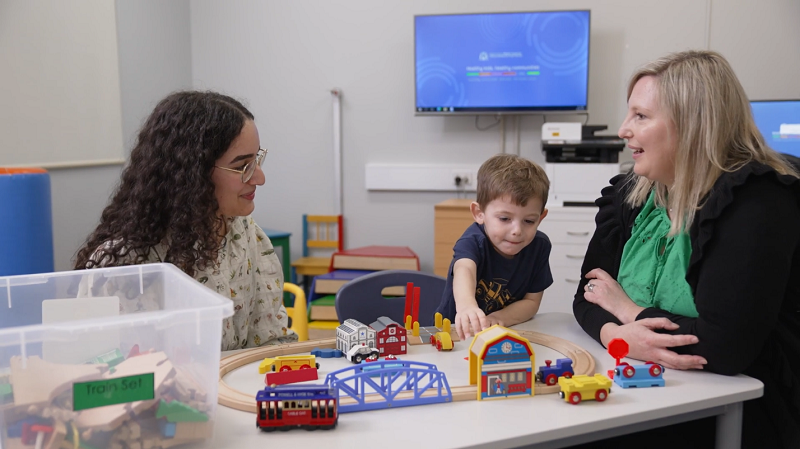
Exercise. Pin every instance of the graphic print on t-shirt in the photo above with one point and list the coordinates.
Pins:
(493, 295)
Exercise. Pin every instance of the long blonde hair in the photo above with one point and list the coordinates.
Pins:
(715, 131)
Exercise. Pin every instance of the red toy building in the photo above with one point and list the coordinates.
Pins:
(390, 336)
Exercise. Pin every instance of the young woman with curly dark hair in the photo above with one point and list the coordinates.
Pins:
(185, 198)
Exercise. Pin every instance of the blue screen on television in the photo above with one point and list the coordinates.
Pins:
(504, 62)
(779, 123)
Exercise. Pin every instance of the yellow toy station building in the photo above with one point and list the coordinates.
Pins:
(501, 364)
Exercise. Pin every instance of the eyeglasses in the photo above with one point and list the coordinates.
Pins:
(248, 170)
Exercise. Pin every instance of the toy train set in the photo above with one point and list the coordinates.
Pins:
(501, 364)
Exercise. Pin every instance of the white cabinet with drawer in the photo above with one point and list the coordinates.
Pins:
(569, 230)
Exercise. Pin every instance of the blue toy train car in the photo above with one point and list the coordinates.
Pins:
(549, 374)
(639, 376)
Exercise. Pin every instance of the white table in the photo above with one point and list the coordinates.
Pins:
(544, 421)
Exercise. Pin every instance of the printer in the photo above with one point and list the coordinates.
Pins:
(578, 162)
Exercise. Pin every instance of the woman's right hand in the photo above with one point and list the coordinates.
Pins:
(647, 345)
(470, 321)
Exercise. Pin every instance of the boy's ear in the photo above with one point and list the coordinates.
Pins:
(477, 213)
(544, 214)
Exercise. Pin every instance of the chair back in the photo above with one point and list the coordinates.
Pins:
(322, 231)
(361, 298)
(298, 312)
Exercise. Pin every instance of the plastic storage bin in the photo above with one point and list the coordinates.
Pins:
(109, 358)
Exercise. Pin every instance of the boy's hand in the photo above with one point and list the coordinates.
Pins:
(494, 319)
(470, 321)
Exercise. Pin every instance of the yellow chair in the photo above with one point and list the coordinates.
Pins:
(298, 312)
(319, 231)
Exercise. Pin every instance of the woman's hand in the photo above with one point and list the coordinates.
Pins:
(647, 345)
(470, 321)
(606, 292)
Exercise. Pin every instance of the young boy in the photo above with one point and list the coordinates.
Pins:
(500, 264)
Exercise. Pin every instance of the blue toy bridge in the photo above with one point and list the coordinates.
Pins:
(389, 383)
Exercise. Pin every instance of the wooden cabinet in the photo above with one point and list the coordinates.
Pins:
(569, 230)
(450, 219)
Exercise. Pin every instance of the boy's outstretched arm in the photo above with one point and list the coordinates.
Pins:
(470, 319)
(517, 312)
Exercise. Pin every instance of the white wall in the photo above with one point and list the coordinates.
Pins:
(154, 59)
(284, 57)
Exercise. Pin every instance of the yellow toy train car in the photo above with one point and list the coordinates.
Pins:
(287, 363)
(581, 388)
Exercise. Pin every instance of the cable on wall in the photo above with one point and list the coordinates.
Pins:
(584, 114)
(503, 134)
(497, 122)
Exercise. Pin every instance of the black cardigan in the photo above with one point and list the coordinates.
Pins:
(745, 275)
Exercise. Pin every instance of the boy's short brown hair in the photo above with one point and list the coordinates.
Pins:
(510, 175)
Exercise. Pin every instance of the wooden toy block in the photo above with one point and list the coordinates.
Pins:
(179, 412)
(327, 353)
(15, 443)
(415, 305)
(110, 417)
(37, 382)
(167, 428)
(289, 377)
(194, 430)
(135, 429)
(186, 388)
(425, 333)
(57, 437)
(407, 306)
(110, 358)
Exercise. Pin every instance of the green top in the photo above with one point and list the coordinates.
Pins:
(653, 268)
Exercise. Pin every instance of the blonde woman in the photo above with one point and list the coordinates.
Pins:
(695, 260)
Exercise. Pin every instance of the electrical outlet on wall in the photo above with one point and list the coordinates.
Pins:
(464, 178)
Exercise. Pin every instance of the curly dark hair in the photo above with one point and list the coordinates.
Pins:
(166, 194)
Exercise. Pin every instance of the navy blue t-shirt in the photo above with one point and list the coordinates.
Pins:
(500, 281)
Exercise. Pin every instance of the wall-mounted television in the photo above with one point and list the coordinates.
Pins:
(779, 123)
(502, 63)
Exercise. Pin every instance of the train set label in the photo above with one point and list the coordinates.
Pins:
(100, 393)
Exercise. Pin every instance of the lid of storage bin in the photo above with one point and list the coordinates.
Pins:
(21, 170)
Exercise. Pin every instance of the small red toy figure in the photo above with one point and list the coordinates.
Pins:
(617, 348)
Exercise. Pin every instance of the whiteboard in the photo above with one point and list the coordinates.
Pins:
(59, 84)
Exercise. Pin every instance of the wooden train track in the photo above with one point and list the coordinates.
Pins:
(582, 363)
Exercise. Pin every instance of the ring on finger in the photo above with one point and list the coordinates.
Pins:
(590, 287)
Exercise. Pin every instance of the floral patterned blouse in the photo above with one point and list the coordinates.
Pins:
(249, 273)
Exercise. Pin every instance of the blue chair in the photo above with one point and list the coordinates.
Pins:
(361, 298)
